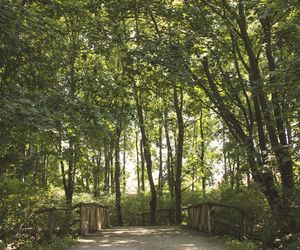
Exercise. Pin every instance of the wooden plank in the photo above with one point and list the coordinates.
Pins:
(200, 217)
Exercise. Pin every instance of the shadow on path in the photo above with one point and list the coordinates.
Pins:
(149, 238)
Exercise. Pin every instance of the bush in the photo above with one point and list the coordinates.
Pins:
(54, 244)
(238, 245)
(2, 245)
(19, 223)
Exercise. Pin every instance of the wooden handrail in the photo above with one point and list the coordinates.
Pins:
(45, 210)
(93, 217)
(163, 210)
(171, 214)
(215, 204)
(200, 217)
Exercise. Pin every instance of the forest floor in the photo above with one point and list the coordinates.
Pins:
(167, 238)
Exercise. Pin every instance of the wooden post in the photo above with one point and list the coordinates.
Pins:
(50, 223)
(144, 220)
(209, 219)
(243, 225)
(84, 220)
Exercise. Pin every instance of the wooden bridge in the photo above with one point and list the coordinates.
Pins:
(93, 222)
(205, 217)
(89, 218)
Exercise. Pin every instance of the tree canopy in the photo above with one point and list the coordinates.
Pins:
(163, 97)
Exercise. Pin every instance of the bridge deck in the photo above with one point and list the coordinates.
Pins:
(149, 238)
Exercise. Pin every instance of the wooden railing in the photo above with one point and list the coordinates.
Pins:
(85, 217)
(166, 216)
(204, 217)
(93, 217)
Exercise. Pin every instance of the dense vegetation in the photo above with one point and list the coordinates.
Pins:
(151, 104)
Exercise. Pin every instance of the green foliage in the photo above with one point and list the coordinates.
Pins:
(238, 245)
(70, 72)
(2, 245)
(19, 223)
(54, 244)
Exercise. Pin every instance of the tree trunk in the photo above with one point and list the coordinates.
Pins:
(137, 161)
(257, 161)
(224, 156)
(237, 171)
(160, 174)
(178, 105)
(124, 163)
(117, 177)
(194, 144)
(170, 168)
(202, 152)
(142, 166)
(147, 155)
(112, 179)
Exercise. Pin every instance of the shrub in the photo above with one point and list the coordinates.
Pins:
(238, 245)
(54, 244)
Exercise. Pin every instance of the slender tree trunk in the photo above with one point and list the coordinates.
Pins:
(69, 173)
(178, 104)
(224, 156)
(107, 169)
(147, 155)
(142, 166)
(194, 145)
(124, 163)
(237, 174)
(160, 174)
(170, 167)
(202, 152)
(137, 161)
(96, 173)
(44, 168)
(117, 177)
(112, 171)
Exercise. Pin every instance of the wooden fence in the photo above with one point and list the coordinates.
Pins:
(92, 218)
(166, 216)
(203, 217)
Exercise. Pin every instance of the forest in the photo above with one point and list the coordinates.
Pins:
(143, 105)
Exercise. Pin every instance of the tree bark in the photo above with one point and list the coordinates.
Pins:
(170, 167)
(142, 166)
(106, 169)
(160, 171)
(124, 163)
(117, 176)
(147, 155)
(137, 161)
(178, 105)
(202, 152)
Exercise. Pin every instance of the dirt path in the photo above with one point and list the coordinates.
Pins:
(167, 238)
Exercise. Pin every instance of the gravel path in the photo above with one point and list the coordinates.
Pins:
(167, 238)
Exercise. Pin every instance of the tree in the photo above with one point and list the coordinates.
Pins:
(261, 122)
